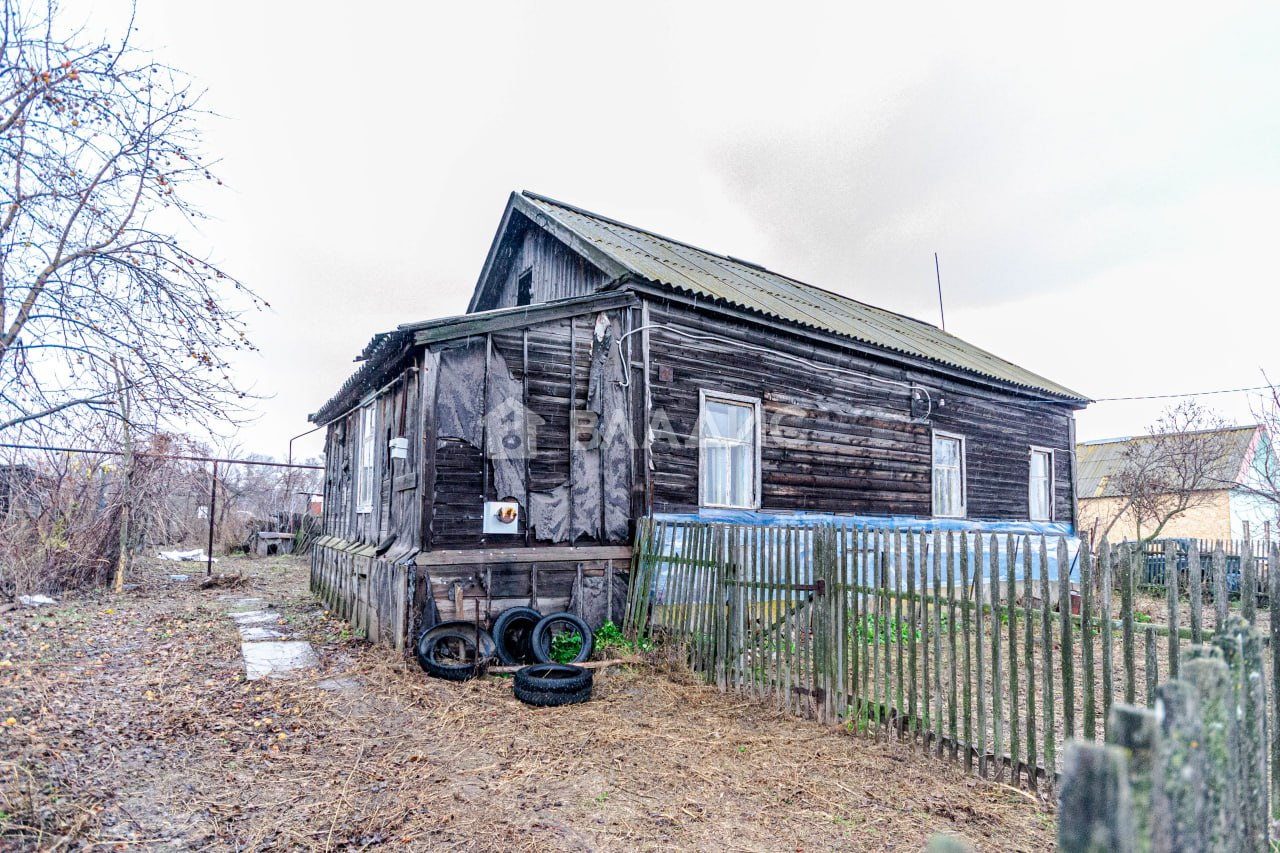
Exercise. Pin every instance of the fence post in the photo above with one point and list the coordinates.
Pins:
(1134, 730)
(1212, 682)
(1242, 646)
(1095, 809)
(1273, 585)
(1180, 761)
(1171, 588)
(1130, 571)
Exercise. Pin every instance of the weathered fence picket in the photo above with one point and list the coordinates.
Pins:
(990, 649)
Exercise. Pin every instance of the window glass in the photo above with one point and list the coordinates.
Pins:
(729, 454)
(948, 476)
(364, 476)
(1041, 485)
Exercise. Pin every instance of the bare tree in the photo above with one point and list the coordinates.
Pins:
(99, 158)
(1170, 471)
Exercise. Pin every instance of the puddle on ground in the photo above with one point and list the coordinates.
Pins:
(252, 634)
(277, 659)
(255, 617)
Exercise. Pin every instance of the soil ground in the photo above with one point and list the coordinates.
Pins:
(126, 723)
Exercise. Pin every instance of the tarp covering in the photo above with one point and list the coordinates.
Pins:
(996, 563)
(601, 467)
(597, 489)
(460, 412)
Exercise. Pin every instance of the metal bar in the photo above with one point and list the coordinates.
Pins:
(213, 499)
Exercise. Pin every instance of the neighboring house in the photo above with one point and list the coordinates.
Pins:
(603, 373)
(1219, 508)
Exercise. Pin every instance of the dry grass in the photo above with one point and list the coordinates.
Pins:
(133, 726)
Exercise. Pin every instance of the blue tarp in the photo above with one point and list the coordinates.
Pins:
(756, 566)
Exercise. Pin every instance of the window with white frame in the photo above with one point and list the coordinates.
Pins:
(1040, 484)
(729, 451)
(948, 475)
(364, 474)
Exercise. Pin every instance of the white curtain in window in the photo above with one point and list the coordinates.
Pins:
(948, 483)
(1041, 484)
(728, 454)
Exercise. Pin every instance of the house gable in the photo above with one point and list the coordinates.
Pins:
(534, 259)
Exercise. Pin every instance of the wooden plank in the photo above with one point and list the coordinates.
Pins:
(1220, 600)
(997, 674)
(523, 555)
(1094, 812)
(926, 625)
(1195, 584)
(1248, 580)
(1067, 654)
(1029, 660)
(1015, 708)
(1153, 670)
(899, 641)
(1129, 570)
(1046, 665)
(913, 649)
(980, 570)
(952, 666)
(1086, 642)
(1108, 648)
(1273, 587)
(938, 698)
(1174, 601)
(966, 633)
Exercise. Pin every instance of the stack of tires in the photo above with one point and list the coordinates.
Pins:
(521, 636)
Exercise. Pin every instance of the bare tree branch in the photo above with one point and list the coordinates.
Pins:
(99, 152)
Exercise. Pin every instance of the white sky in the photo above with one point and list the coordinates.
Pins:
(1101, 181)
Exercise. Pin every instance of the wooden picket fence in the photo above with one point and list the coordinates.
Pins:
(969, 645)
(1192, 776)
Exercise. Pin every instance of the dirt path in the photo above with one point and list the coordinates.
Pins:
(127, 724)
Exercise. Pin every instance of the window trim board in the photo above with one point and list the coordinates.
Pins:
(1049, 451)
(964, 473)
(757, 405)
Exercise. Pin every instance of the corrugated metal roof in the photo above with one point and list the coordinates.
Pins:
(745, 285)
(1099, 463)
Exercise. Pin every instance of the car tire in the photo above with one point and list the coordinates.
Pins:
(543, 632)
(512, 635)
(551, 684)
(442, 650)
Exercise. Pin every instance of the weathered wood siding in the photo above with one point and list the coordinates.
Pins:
(557, 272)
(397, 507)
(841, 441)
(551, 364)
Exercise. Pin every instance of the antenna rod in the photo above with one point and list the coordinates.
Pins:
(938, 271)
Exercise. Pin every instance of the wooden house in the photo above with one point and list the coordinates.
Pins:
(604, 372)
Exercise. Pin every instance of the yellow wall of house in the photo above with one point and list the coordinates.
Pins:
(1209, 519)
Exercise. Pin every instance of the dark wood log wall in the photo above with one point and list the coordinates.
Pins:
(838, 441)
(557, 271)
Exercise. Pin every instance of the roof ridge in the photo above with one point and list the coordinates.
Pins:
(752, 265)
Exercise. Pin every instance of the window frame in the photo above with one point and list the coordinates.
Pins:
(963, 472)
(1050, 478)
(705, 395)
(366, 446)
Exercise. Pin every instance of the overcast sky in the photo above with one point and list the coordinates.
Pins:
(1101, 182)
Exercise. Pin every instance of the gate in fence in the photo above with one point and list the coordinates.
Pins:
(990, 649)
